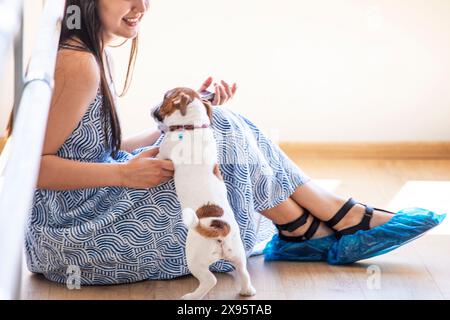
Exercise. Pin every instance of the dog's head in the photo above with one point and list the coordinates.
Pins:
(182, 106)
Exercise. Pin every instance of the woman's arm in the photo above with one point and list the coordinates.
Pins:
(77, 78)
(141, 171)
(76, 82)
(62, 174)
(143, 139)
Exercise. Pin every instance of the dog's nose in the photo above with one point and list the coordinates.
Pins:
(156, 113)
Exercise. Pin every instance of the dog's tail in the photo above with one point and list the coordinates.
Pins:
(190, 218)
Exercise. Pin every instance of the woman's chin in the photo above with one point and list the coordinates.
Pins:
(129, 31)
(129, 34)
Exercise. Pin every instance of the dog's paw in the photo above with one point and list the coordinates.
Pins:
(248, 291)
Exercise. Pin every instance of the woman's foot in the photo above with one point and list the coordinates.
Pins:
(289, 215)
(324, 205)
(356, 214)
(352, 218)
(302, 238)
(381, 236)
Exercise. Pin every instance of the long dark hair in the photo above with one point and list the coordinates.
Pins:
(89, 38)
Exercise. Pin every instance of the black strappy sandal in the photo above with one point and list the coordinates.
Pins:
(363, 225)
(299, 248)
(297, 223)
(360, 242)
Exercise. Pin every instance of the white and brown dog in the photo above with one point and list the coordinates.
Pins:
(213, 231)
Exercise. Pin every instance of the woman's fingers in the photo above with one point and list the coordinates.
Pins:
(227, 89)
(150, 153)
(233, 89)
(223, 92)
(206, 84)
(164, 180)
(166, 165)
(217, 98)
(167, 173)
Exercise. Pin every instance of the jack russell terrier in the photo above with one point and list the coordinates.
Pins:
(213, 231)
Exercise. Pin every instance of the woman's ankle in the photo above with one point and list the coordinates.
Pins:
(322, 230)
(356, 214)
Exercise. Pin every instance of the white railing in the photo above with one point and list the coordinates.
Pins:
(22, 154)
(10, 14)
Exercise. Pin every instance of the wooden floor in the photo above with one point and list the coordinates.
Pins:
(419, 270)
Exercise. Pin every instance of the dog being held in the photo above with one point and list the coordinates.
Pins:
(213, 232)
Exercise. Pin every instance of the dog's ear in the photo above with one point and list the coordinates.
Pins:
(181, 102)
(165, 107)
(208, 107)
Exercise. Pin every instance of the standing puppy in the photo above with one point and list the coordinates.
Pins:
(213, 231)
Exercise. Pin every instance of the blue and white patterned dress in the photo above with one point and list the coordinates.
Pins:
(119, 235)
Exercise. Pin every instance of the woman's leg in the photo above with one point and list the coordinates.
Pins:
(244, 154)
(289, 211)
(324, 204)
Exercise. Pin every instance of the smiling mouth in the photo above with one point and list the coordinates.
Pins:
(132, 22)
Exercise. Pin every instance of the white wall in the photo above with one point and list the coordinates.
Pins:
(323, 70)
(6, 92)
(31, 26)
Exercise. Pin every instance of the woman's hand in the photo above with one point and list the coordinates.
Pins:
(223, 91)
(144, 171)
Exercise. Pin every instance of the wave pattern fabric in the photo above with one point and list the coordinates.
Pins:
(113, 235)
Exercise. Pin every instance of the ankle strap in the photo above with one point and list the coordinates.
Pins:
(293, 225)
(312, 229)
(341, 213)
(307, 236)
(363, 225)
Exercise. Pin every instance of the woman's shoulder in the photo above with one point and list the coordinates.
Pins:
(79, 67)
(77, 79)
